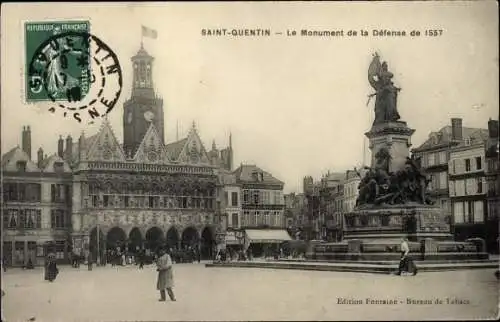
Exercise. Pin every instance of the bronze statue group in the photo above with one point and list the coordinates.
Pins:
(380, 186)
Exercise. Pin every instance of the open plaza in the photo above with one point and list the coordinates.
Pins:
(129, 294)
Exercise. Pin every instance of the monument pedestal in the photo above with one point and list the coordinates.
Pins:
(393, 136)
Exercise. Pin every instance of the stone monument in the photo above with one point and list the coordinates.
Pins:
(393, 198)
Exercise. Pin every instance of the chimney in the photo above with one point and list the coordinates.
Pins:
(60, 147)
(69, 148)
(493, 129)
(456, 129)
(26, 141)
(39, 156)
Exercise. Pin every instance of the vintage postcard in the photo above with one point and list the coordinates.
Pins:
(250, 161)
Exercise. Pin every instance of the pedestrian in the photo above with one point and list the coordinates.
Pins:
(141, 259)
(30, 265)
(165, 280)
(89, 262)
(4, 263)
(406, 263)
(51, 270)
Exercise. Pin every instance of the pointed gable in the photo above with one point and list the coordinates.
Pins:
(193, 151)
(174, 149)
(151, 149)
(18, 160)
(55, 164)
(105, 146)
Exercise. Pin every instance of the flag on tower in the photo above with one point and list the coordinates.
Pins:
(148, 32)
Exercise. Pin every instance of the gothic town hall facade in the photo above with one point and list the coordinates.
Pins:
(95, 193)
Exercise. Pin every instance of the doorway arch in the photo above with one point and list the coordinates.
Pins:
(154, 239)
(135, 239)
(189, 238)
(207, 244)
(172, 238)
(116, 237)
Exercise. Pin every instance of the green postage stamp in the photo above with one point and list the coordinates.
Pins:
(56, 62)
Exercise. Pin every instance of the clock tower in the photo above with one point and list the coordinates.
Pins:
(143, 107)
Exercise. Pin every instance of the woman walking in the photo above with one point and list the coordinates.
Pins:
(165, 275)
(51, 270)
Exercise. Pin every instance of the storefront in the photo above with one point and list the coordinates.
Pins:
(265, 242)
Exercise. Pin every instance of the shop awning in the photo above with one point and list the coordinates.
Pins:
(267, 235)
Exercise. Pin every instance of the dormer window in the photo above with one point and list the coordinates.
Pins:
(21, 166)
(434, 139)
(467, 141)
(58, 167)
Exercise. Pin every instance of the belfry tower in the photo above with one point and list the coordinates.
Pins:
(144, 106)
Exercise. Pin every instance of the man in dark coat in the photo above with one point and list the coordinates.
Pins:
(51, 270)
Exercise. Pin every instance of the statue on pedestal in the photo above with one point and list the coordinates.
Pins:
(386, 94)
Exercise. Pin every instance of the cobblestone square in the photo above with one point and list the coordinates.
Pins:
(128, 294)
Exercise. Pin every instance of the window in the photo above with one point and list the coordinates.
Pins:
(22, 219)
(432, 181)
(458, 212)
(95, 201)
(443, 180)
(246, 218)
(57, 219)
(267, 220)
(478, 211)
(444, 204)
(467, 165)
(226, 198)
(234, 220)
(58, 167)
(479, 164)
(431, 159)
(459, 188)
(126, 201)
(234, 199)
(442, 157)
(105, 201)
(246, 196)
(470, 186)
(59, 192)
(469, 211)
(479, 185)
(253, 219)
(21, 166)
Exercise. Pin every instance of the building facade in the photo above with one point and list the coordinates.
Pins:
(138, 194)
(434, 154)
(263, 209)
(36, 205)
(312, 225)
(492, 174)
(331, 203)
(295, 214)
(262, 201)
(467, 186)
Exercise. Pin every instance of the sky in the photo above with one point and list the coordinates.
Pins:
(295, 105)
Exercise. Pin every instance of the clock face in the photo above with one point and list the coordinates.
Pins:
(149, 116)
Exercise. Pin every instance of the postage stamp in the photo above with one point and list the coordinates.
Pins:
(66, 70)
(73, 70)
